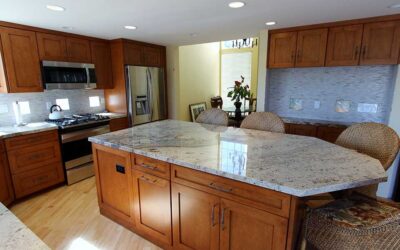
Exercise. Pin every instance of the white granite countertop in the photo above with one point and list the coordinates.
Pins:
(15, 235)
(30, 128)
(296, 165)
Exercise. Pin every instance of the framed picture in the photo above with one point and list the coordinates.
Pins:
(196, 109)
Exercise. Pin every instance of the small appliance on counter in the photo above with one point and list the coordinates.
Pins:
(76, 149)
(56, 113)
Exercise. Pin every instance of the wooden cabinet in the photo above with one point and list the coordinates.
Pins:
(381, 43)
(52, 47)
(328, 133)
(142, 55)
(114, 184)
(118, 124)
(20, 60)
(78, 50)
(133, 54)
(282, 50)
(302, 129)
(35, 162)
(152, 56)
(311, 48)
(152, 201)
(6, 187)
(195, 218)
(101, 57)
(344, 45)
(244, 227)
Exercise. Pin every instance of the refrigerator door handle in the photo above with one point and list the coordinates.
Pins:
(150, 88)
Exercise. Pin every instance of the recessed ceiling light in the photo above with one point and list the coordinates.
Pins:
(236, 5)
(55, 7)
(129, 27)
(270, 23)
(394, 6)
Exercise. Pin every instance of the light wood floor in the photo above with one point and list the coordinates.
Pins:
(68, 218)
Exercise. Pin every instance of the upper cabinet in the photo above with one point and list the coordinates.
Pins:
(311, 48)
(344, 45)
(282, 50)
(51, 47)
(78, 50)
(364, 42)
(381, 43)
(142, 55)
(20, 60)
(152, 56)
(101, 57)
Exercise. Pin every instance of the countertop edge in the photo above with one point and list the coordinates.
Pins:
(33, 131)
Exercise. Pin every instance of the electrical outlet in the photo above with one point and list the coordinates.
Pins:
(367, 108)
(3, 108)
(317, 104)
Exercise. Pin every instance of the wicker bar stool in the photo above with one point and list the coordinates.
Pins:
(265, 121)
(359, 221)
(213, 116)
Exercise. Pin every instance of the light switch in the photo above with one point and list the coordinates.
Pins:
(3, 108)
(317, 104)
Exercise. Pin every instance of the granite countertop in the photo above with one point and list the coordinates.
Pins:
(113, 115)
(15, 235)
(296, 165)
(296, 120)
(30, 128)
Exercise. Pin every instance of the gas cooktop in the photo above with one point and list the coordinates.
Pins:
(78, 120)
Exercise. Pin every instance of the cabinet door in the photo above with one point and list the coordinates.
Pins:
(6, 189)
(78, 50)
(282, 50)
(101, 57)
(381, 43)
(3, 77)
(152, 56)
(329, 134)
(311, 48)
(152, 199)
(52, 47)
(303, 129)
(244, 227)
(118, 124)
(195, 216)
(21, 59)
(133, 54)
(114, 183)
(344, 45)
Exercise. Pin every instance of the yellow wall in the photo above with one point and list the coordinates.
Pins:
(198, 76)
(173, 81)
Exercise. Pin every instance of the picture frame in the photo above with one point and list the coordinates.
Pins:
(195, 110)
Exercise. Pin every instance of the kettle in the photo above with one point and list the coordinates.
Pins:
(56, 112)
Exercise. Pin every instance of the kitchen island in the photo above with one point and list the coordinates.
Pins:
(187, 185)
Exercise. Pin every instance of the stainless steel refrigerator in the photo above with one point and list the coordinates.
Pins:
(146, 94)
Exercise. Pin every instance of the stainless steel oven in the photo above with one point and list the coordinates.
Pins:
(67, 75)
(77, 150)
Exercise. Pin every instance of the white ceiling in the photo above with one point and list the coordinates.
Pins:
(170, 22)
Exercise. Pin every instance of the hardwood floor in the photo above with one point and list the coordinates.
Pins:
(68, 218)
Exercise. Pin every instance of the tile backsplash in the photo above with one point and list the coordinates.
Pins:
(39, 104)
(343, 94)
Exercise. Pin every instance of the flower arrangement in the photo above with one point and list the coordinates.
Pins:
(239, 91)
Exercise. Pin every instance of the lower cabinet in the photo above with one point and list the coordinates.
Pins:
(195, 216)
(152, 204)
(114, 185)
(323, 132)
(118, 124)
(6, 188)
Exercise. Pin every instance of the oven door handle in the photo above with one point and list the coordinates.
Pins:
(82, 134)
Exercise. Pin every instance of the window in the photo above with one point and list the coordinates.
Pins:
(94, 101)
(63, 103)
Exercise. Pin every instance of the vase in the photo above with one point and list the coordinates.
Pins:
(238, 112)
(238, 105)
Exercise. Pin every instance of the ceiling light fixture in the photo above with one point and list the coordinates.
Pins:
(235, 5)
(129, 27)
(270, 23)
(394, 6)
(55, 7)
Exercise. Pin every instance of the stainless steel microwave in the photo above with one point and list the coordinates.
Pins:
(67, 75)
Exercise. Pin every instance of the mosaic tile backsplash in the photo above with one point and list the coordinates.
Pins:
(78, 103)
(343, 94)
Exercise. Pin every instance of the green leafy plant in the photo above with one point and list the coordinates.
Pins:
(239, 91)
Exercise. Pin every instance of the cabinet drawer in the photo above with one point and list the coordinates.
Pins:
(151, 166)
(31, 181)
(31, 139)
(268, 200)
(29, 158)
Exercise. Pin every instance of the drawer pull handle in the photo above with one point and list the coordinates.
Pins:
(148, 180)
(149, 167)
(120, 169)
(223, 219)
(216, 187)
(213, 215)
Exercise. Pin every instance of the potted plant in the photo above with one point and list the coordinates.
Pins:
(239, 92)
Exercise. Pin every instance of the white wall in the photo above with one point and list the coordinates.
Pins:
(262, 70)
(386, 189)
(199, 72)
(173, 81)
